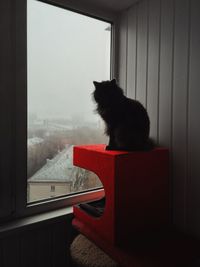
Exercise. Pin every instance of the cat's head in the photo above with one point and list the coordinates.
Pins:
(107, 92)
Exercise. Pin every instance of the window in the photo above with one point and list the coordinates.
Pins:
(52, 188)
(38, 62)
(66, 52)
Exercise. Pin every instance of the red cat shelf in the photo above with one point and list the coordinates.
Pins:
(136, 188)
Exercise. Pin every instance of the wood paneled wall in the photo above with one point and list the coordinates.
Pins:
(160, 66)
(37, 246)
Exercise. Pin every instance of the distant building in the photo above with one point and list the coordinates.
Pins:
(59, 177)
(34, 141)
(53, 179)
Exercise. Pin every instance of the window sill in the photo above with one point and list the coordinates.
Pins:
(59, 203)
(34, 221)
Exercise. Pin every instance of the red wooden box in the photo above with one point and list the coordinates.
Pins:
(136, 189)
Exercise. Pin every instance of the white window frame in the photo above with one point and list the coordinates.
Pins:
(21, 207)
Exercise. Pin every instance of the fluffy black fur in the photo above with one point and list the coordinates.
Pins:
(127, 121)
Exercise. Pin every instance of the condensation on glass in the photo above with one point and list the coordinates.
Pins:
(67, 51)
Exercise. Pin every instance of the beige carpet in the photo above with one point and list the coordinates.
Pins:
(84, 253)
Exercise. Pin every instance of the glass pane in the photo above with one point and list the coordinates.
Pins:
(66, 53)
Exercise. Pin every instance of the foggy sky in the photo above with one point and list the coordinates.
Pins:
(66, 52)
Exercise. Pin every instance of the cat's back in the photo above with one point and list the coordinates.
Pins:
(134, 107)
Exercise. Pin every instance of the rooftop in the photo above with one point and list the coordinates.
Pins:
(58, 169)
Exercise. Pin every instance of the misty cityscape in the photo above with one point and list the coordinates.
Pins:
(66, 53)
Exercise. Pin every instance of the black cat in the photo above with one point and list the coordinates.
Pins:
(127, 121)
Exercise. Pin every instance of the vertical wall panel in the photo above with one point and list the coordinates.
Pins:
(166, 71)
(60, 243)
(194, 121)
(123, 51)
(11, 251)
(29, 249)
(180, 89)
(142, 39)
(44, 247)
(132, 52)
(1, 254)
(153, 65)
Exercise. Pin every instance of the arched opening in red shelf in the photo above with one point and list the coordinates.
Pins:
(94, 208)
(89, 180)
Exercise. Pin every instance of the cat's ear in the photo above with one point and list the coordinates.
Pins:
(95, 83)
(113, 81)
